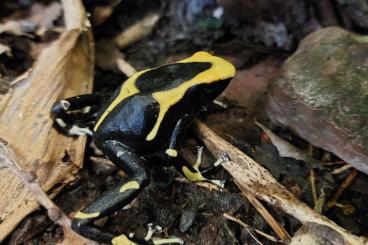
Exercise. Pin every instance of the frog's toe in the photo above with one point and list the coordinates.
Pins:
(60, 106)
(172, 240)
(122, 240)
(219, 183)
(223, 158)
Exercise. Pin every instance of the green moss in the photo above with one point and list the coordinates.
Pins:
(332, 76)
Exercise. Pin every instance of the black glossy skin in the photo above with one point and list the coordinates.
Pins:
(132, 120)
(122, 136)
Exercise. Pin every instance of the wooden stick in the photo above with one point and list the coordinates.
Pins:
(312, 180)
(341, 169)
(276, 227)
(248, 227)
(8, 158)
(137, 31)
(347, 181)
(260, 183)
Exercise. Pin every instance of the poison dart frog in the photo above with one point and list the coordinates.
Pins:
(147, 114)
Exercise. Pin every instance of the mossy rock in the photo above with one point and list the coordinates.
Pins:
(322, 94)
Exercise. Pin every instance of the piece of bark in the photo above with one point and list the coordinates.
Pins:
(255, 179)
(63, 69)
(137, 31)
(321, 94)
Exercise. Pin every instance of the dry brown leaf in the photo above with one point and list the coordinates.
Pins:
(63, 69)
(284, 148)
(9, 160)
(5, 49)
(256, 180)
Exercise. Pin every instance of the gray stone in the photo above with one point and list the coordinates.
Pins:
(322, 94)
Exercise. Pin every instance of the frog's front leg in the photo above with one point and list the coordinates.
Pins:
(190, 172)
(178, 131)
(116, 197)
(61, 108)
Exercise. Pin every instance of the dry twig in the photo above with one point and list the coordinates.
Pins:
(276, 227)
(260, 183)
(30, 181)
(312, 180)
(341, 169)
(347, 181)
(248, 227)
(137, 31)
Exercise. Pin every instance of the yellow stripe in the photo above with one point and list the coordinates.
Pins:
(220, 70)
(130, 185)
(128, 89)
(81, 215)
(171, 152)
(122, 240)
(197, 176)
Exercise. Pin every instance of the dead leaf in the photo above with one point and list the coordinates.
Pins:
(5, 49)
(63, 69)
(284, 148)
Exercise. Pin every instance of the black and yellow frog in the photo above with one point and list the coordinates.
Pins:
(147, 114)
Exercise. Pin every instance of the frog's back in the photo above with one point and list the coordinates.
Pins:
(164, 78)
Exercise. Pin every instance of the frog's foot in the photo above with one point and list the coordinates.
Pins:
(122, 240)
(151, 230)
(194, 174)
(173, 240)
(71, 129)
(155, 228)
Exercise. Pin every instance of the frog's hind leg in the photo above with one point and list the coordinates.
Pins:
(115, 198)
(61, 112)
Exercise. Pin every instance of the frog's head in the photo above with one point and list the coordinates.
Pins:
(211, 81)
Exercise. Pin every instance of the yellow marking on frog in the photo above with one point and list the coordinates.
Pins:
(171, 152)
(81, 215)
(129, 186)
(127, 89)
(220, 70)
(196, 176)
(122, 240)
